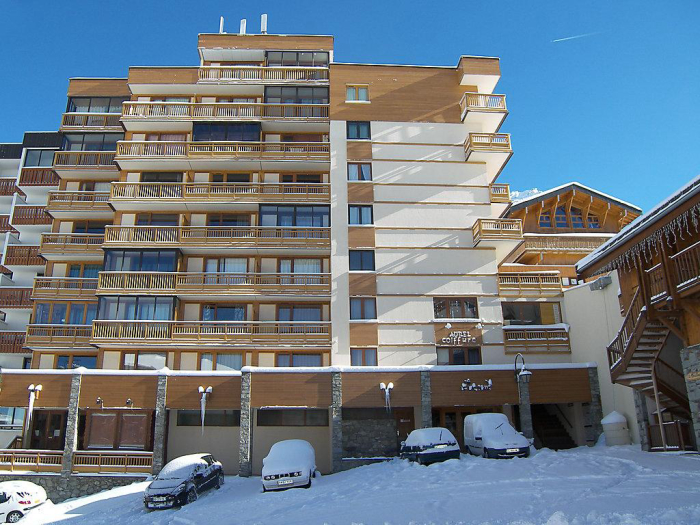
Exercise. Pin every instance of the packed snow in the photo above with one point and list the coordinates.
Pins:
(598, 486)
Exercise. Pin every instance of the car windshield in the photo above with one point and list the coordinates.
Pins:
(498, 429)
(428, 437)
(180, 468)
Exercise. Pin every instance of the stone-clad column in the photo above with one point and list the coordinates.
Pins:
(71, 441)
(690, 360)
(245, 465)
(525, 410)
(640, 408)
(337, 421)
(426, 403)
(161, 424)
(593, 413)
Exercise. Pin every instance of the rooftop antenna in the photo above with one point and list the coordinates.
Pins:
(263, 24)
(221, 25)
(242, 30)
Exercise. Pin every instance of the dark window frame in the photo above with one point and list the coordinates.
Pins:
(360, 172)
(359, 130)
(276, 417)
(464, 307)
(363, 308)
(365, 258)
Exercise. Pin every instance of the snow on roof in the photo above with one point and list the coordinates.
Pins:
(613, 417)
(181, 467)
(527, 197)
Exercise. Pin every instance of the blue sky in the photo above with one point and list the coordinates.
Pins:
(617, 109)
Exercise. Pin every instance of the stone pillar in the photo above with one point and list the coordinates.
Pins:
(336, 421)
(426, 403)
(161, 425)
(593, 411)
(71, 441)
(245, 463)
(640, 408)
(690, 360)
(525, 410)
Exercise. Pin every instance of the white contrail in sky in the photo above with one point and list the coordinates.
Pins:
(574, 37)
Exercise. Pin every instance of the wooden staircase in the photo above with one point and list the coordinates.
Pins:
(551, 432)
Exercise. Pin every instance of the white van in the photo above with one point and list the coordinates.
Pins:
(17, 498)
(492, 436)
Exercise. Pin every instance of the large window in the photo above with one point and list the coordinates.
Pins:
(65, 313)
(140, 261)
(593, 221)
(228, 219)
(303, 216)
(161, 176)
(213, 418)
(91, 141)
(455, 308)
(224, 312)
(11, 417)
(363, 308)
(220, 361)
(358, 131)
(96, 104)
(356, 93)
(297, 58)
(358, 171)
(157, 219)
(299, 312)
(560, 219)
(64, 362)
(296, 95)
(531, 313)
(361, 260)
(143, 360)
(221, 131)
(89, 226)
(84, 270)
(458, 356)
(287, 360)
(293, 417)
(39, 158)
(363, 357)
(141, 308)
(576, 218)
(360, 215)
(545, 219)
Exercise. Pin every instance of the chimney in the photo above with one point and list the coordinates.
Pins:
(263, 24)
(242, 31)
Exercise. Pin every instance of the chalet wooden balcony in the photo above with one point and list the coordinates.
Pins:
(487, 110)
(558, 244)
(23, 255)
(262, 74)
(212, 284)
(88, 160)
(499, 193)
(536, 339)
(8, 187)
(11, 297)
(91, 121)
(78, 201)
(685, 269)
(31, 216)
(487, 142)
(38, 177)
(112, 462)
(58, 335)
(256, 151)
(217, 236)
(221, 111)
(20, 460)
(497, 229)
(64, 288)
(530, 284)
(69, 245)
(12, 343)
(243, 333)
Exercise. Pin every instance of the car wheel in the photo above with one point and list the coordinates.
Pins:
(14, 516)
(191, 496)
(468, 450)
(219, 481)
(308, 485)
(484, 453)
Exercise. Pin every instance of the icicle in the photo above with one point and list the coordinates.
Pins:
(387, 394)
(203, 403)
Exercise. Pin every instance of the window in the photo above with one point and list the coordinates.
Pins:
(143, 308)
(230, 177)
(91, 141)
(293, 417)
(220, 361)
(304, 216)
(458, 356)
(360, 215)
(157, 219)
(227, 219)
(294, 360)
(301, 178)
(26, 362)
(64, 362)
(296, 95)
(85, 271)
(358, 130)
(593, 222)
(456, 308)
(223, 131)
(39, 158)
(531, 313)
(11, 417)
(96, 104)
(297, 58)
(357, 93)
(143, 361)
(65, 313)
(363, 308)
(363, 357)
(161, 176)
(362, 260)
(359, 171)
(560, 217)
(299, 312)
(220, 312)
(89, 227)
(545, 220)
(576, 218)
(213, 418)
(140, 261)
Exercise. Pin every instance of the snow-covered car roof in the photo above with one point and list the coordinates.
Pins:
(426, 437)
(19, 486)
(493, 417)
(288, 456)
(182, 467)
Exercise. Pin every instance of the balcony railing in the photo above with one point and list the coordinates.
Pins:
(71, 243)
(58, 334)
(658, 288)
(11, 297)
(159, 111)
(91, 120)
(497, 229)
(221, 191)
(222, 332)
(310, 151)
(108, 462)
(31, 215)
(482, 102)
(686, 266)
(63, 287)
(490, 142)
(38, 177)
(499, 192)
(530, 283)
(228, 236)
(78, 200)
(217, 283)
(84, 159)
(20, 255)
(563, 244)
(8, 187)
(536, 339)
(12, 342)
(5, 225)
(19, 460)
(219, 74)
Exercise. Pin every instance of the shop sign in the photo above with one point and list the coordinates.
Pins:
(468, 385)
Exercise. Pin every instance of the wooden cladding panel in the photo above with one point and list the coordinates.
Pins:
(313, 390)
(98, 87)
(115, 390)
(447, 388)
(364, 334)
(362, 389)
(363, 284)
(360, 150)
(54, 394)
(479, 66)
(398, 93)
(360, 237)
(360, 192)
(276, 42)
(182, 392)
(560, 386)
(170, 75)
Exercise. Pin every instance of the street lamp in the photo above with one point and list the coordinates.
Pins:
(523, 375)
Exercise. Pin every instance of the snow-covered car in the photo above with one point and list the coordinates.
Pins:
(290, 463)
(430, 445)
(182, 480)
(492, 436)
(17, 498)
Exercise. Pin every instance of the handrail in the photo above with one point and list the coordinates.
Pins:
(12, 342)
(57, 333)
(83, 199)
(618, 346)
(497, 229)
(686, 264)
(221, 110)
(11, 297)
(530, 281)
(242, 149)
(228, 191)
(657, 282)
(482, 102)
(22, 255)
(564, 416)
(38, 177)
(91, 120)
(64, 286)
(84, 159)
(487, 142)
(8, 186)
(258, 73)
(31, 460)
(499, 192)
(30, 215)
(112, 461)
(71, 241)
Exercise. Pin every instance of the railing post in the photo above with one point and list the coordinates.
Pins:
(71, 440)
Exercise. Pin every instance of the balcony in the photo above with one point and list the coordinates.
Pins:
(202, 195)
(8, 187)
(112, 462)
(262, 75)
(215, 284)
(22, 255)
(11, 297)
(530, 284)
(79, 204)
(484, 110)
(228, 237)
(58, 335)
(536, 339)
(30, 216)
(492, 149)
(685, 269)
(91, 122)
(5, 225)
(38, 177)
(71, 246)
(537, 244)
(197, 333)
(499, 193)
(12, 343)
(497, 230)
(92, 165)
(19, 460)
(63, 288)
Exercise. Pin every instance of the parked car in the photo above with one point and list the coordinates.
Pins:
(492, 436)
(430, 445)
(290, 463)
(182, 480)
(17, 498)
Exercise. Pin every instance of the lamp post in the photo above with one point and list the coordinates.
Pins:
(34, 391)
(523, 375)
(522, 378)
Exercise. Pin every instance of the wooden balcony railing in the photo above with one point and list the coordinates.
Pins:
(5, 225)
(564, 244)
(536, 339)
(20, 255)
(19, 460)
(618, 346)
(221, 191)
(31, 215)
(229, 236)
(499, 192)
(58, 334)
(8, 187)
(222, 111)
(11, 297)
(63, 287)
(310, 151)
(12, 343)
(71, 243)
(492, 142)
(686, 267)
(658, 288)
(217, 283)
(108, 462)
(84, 159)
(38, 177)
(496, 229)
(254, 74)
(91, 120)
(78, 200)
(482, 102)
(530, 283)
(222, 332)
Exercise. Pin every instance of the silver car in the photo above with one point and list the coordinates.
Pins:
(290, 463)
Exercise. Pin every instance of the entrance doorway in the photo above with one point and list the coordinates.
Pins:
(452, 418)
(48, 430)
(404, 423)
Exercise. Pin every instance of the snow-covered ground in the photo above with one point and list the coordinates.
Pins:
(615, 485)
